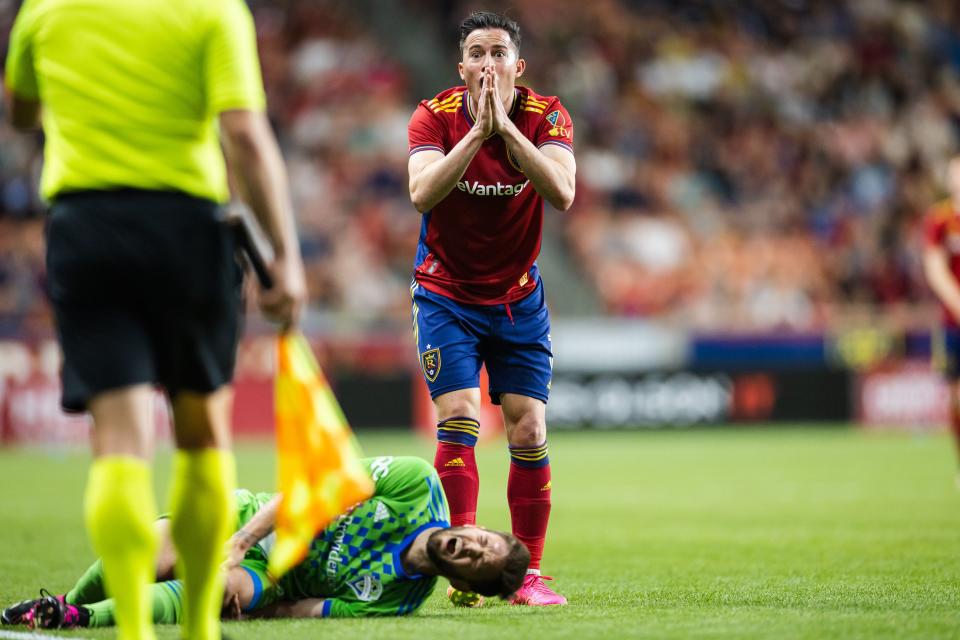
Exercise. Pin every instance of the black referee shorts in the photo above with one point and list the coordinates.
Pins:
(146, 288)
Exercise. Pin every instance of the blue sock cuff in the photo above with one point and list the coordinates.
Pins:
(458, 430)
(530, 457)
(257, 589)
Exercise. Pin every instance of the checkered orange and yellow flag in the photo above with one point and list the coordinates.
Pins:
(319, 463)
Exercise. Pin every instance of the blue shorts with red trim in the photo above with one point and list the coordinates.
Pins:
(512, 340)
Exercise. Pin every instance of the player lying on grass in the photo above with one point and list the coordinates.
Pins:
(381, 558)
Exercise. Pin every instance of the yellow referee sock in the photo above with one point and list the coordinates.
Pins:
(120, 510)
(202, 518)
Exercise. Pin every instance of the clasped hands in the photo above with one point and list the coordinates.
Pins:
(491, 116)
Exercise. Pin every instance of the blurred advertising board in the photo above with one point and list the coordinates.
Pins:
(631, 400)
(675, 399)
(776, 350)
(378, 385)
(611, 344)
(30, 410)
(30, 414)
(906, 394)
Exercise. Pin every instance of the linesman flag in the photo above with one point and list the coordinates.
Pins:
(319, 461)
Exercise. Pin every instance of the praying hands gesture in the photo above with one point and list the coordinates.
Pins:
(500, 118)
(491, 115)
(485, 104)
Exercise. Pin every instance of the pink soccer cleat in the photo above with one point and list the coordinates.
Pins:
(534, 593)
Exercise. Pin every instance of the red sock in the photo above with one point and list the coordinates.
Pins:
(457, 467)
(528, 494)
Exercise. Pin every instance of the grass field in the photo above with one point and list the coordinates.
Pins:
(740, 533)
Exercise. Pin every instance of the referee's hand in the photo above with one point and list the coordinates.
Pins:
(283, 302)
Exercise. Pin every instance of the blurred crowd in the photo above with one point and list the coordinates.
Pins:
(759, 164)
(742, 164)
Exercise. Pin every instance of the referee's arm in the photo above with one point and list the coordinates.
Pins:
(234, 91)
(22, 113)
(261, 178)
(21, 92)
(254, 157)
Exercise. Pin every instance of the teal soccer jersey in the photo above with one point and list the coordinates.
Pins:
(354, 564)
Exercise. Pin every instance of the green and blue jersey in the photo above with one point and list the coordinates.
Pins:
(355, 563)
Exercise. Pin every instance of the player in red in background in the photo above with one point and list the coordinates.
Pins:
(941, 264)
(483, 157)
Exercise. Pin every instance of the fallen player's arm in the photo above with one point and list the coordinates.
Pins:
(936, 267)
(307, 608)
(255, 530)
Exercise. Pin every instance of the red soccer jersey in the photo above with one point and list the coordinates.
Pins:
(480, 243)
(941, 228)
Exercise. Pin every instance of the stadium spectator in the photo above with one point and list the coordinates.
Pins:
(142, 271)
(811, 127)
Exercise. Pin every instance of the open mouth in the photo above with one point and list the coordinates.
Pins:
(451, 546)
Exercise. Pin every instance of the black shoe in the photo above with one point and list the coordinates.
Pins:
(53, 612)
(20, 613)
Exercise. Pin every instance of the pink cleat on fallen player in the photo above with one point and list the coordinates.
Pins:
(534, 593)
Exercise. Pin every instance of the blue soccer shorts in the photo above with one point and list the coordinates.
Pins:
(946, 351)
(513, 341)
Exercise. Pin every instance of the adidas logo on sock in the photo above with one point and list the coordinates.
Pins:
(456, 462)
(547, 486)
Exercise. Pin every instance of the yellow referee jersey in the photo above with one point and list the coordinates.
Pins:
(131, 89)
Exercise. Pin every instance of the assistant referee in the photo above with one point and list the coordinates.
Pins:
(136, 99)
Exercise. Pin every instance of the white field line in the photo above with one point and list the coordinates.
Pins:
(19, 635)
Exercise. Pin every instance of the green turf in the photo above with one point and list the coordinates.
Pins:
(797, 533)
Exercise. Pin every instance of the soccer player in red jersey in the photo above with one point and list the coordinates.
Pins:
(941, 264)
(483, 158)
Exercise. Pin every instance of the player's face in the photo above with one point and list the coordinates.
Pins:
(490, 48)
(468, 554)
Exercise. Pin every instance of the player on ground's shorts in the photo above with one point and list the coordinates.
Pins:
(381, 558)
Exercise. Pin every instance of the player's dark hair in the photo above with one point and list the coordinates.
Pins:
(487, 20)
(514, 570)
